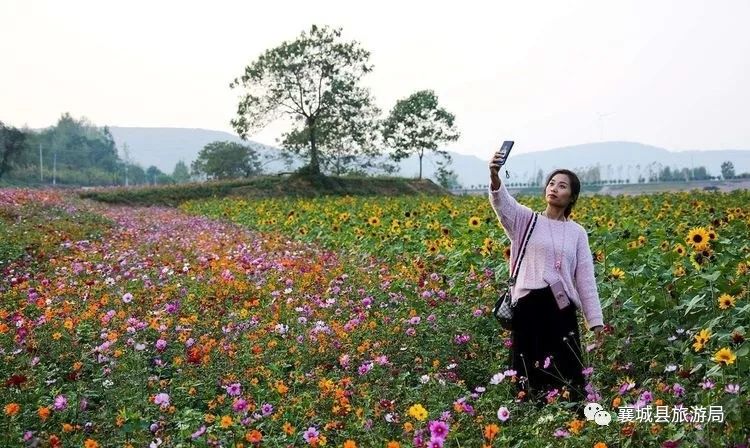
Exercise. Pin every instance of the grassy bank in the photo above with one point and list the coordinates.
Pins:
(265, 187)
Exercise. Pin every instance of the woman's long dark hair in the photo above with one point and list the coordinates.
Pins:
(575, 187)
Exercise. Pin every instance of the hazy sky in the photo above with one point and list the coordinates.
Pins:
(544, 73)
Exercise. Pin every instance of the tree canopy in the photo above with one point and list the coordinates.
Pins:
(314, 80)
(226, 160)
(417, 124)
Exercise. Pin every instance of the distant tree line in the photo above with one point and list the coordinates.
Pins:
(591, 176)
(74, 152)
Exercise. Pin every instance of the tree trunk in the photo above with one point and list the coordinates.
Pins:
(314, 163)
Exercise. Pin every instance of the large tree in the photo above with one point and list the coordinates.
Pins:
(312, 80)
(417, 124)
(181, 173)
(226, 160)
(11, 145)
(727, 170)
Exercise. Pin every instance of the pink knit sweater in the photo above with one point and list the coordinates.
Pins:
(538, 267)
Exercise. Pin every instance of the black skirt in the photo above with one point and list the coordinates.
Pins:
(542, 330)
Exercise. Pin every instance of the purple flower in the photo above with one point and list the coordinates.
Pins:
(678, 390)
(161, 344)
(647, 396)
(234, 389)
(503, 414)
(707, 384)
(199, 432)
(559, 432)
(60, 403)
(127, 297)
(438, 430)
(436, 443)
(266, 409)
(239, 405)
(310, 434)
(732, 389)
(587, 371)
(162, 400)
(547, 362)
(364, 368)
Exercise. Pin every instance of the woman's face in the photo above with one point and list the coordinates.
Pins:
(558, 190)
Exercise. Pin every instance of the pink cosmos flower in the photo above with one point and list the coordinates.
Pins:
(162, 400)
(503, 414)
(438, 430)
(234, 389)
(60, 403)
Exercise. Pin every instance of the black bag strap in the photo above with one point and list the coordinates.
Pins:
(525, 241)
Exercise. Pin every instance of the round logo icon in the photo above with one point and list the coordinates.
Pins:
(602, 418)
(591, 409)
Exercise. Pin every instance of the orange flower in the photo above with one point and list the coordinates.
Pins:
(350, 444)
(226, 421)
(12, 409)
(616, 402)
(600, 445)
(576, 426)
(91, 443)
(393, 444)
(254, 436)
(43, 413)
(281, 387)
(288, 428)
(490, 431)
(67, 427)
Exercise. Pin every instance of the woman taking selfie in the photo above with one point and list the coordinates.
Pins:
(554, 279)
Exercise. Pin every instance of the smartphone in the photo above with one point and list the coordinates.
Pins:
(507, 146)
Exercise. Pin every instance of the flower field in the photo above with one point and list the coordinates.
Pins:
(355, 322)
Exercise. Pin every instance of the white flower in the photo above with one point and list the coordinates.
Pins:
(424, 379)
(497, 378)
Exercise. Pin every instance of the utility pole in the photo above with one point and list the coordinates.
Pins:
(54, 169)
(41, 173)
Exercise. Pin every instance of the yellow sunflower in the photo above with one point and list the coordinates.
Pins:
(712, 235)
(725, 356)
(374, 221)
(698, 260)
(475, 222)
(679, 249)
(701, 339)
(617, 273)
(726, 301)
(698, 238)
(432, 247)
(679, 271)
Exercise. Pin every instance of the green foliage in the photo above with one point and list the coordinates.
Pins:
(727, 170)
(417, 124)
(11, 144)
(181, 173)
(226, 160)
(73, 152)
(313, 80)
